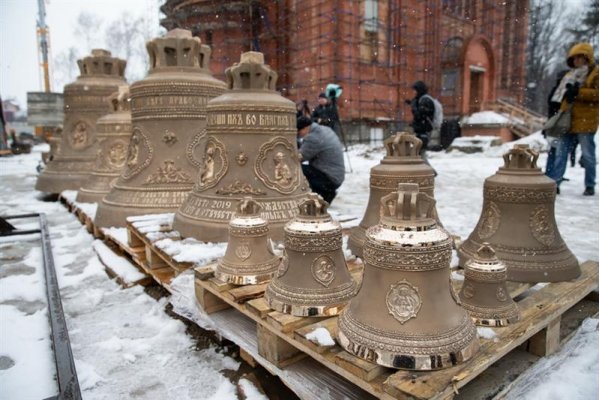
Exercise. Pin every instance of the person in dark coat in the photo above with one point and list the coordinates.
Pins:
(323, 150)
(324, 113)
(553, 108)
(423, 111)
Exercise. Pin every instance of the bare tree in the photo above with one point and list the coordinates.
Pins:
(87, 28)
(65, 67)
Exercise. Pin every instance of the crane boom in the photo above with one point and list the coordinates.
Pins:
(42, 33)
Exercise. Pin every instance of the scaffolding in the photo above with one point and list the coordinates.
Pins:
(374, 49)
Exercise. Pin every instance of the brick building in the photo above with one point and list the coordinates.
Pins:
(470, 52)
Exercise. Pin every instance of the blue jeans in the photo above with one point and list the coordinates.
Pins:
(588, 157)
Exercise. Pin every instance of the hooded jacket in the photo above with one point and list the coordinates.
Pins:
(584, 114)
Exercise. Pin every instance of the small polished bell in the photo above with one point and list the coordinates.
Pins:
(517, 220)
(85, 101)
(313, 279)
(484, 293)
(405, 314)
(113, 133)
(401, 164)
(249, 258)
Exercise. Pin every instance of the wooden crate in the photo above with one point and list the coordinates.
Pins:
(282, 339)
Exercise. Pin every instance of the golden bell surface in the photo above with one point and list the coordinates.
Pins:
(405, 314)
(86, 100)
(113, 131)
(168, 113)
(313, 279)
(249, 258)
(517, 220)
(249, 149)
(401, 164)
(484, 293)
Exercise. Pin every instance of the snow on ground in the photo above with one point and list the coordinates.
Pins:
(125, 345)
(486, 117)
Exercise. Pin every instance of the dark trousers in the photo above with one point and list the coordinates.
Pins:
(320, 183)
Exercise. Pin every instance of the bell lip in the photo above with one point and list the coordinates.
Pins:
(407, 361)
(496, 322)
(241, 280)
(305, 311)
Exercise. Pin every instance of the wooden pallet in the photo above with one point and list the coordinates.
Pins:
(282, 339)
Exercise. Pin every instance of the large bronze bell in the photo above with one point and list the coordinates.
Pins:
(249, 148)
(168, 113)
(517, 220)
(484, 293)
(86, 100)
(113, 133)
(249, 258)
(405, 314)
(313, 279)
(401, 164)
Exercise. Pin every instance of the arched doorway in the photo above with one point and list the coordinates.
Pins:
(478, 73)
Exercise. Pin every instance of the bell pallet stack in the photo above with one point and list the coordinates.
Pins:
(282, 339)
(281, 344)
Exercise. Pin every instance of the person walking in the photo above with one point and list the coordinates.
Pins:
(423, 110)
(324, 152)
(578, 90)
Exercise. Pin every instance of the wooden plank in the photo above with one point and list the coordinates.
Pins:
(361, 368)
(537, 311)
(258, 307)
(133, 238)
(330, 324)
(153, 260)
(205, 272)
(288, 323)
(244, 293)
(244, 355)
(276, 350)
(219, 285)
(208, 301)
(546, 341)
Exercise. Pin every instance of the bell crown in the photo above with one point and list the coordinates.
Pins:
(402, 144)
(251, 73)
(248, 207)
(101, 63)
(178, 48)
(520, 157)
(120, 100)
(407, 207)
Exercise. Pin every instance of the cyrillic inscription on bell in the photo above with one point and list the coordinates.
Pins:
(113, 132)
(405, 314)
(168, 112)
(517, 220)
(401, 164)
(250, 149)
(313, 279)
(86, 100)
(249, 258)
(484, 293)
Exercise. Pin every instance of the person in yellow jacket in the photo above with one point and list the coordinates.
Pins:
(578, 90)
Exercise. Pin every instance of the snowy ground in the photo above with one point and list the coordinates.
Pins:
(126, 346)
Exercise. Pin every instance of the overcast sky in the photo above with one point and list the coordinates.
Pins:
(19, 65)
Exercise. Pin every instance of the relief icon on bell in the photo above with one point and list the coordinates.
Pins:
(249, 149)
(249, 258)
(405, 314)
(168, 113)
(85, 101)
(517, 220)
(313, 279)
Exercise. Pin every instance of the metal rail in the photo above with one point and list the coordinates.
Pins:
(66, 374)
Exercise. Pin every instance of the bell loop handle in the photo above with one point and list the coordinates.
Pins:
(313, 206)
(486, 252)
(251, 73)
(521, 156)
(407, 204)
(248, 207)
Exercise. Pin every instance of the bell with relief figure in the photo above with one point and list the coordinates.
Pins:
(249, 258)
(484, 293)
(406, 313)
(113, 132)
(313, 279)
(168, 116)
(518, 221)
(401, 164)
(249, 149)
(85, 101)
